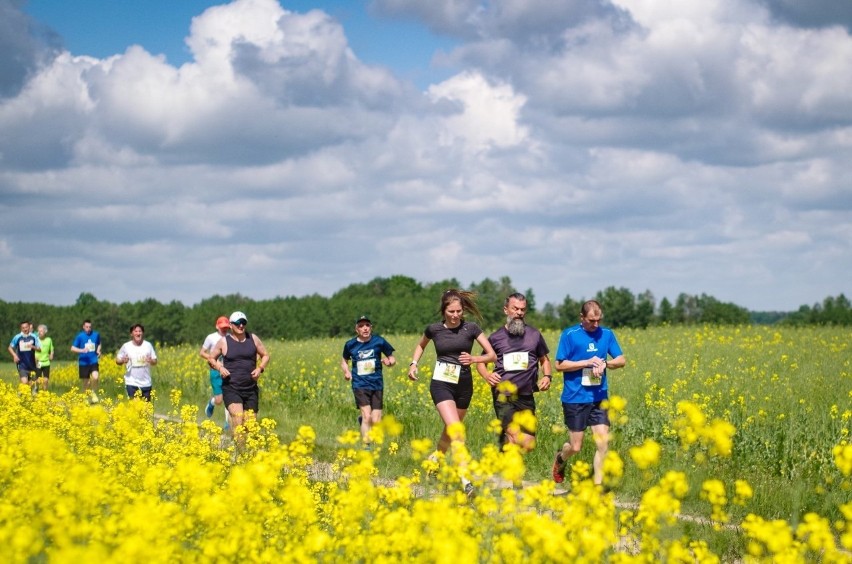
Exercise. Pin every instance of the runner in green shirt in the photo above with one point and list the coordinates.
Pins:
(43, 358)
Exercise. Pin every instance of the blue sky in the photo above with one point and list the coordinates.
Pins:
(101, 28)
(292, 148)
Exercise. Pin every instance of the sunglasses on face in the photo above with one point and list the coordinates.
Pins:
(240, 323)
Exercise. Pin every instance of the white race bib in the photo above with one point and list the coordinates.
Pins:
(513, 362)
(90, 347)
(138, 362)
(589, 379)
(365, 367)
(447, 372)
(25, 346)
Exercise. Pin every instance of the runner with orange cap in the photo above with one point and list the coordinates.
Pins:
(222, 325)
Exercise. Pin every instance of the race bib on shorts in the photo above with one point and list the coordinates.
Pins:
(513, 362)
(447, 372)
(589, 379)
(365, 367)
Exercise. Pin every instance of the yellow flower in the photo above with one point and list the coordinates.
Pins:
(742, 492)
(647, 455)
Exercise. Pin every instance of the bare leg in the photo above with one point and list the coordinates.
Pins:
(601, 436)
(449, 414)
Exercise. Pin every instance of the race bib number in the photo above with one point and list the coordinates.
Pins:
(513, 362)
(366, 367)
(589, 379)
(90, 347)
(25, 346)
(447, 372)
(138, 362)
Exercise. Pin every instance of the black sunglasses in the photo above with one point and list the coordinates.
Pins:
(241, 322)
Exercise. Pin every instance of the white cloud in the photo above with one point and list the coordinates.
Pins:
(673, 146)
(489, 115)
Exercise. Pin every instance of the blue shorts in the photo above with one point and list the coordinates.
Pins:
(216, 382)
(581, 416)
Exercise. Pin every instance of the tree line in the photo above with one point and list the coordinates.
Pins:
(397, 305)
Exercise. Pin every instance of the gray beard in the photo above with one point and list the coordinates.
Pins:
(515, 327)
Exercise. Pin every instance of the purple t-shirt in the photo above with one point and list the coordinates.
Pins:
(517, 351)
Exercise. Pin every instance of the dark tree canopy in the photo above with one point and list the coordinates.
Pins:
(397, 305)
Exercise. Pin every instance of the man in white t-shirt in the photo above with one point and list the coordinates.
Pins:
(137, 356)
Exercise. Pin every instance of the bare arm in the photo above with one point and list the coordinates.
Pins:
(617, 362)
(218, 350)
(347, 374)
(489, 355)
(264, 357)
(547, 373)
(415, 357)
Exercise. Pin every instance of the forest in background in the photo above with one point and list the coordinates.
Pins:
(397, 305)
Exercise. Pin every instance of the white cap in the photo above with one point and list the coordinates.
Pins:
(237, 316)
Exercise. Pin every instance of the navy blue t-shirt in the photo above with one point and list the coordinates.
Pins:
(367, 361)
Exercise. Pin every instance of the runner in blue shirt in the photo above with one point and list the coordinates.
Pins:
(582, 358)
(23, 349)
(365, 352)
(87, 344)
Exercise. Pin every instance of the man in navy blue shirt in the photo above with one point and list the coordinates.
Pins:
(23, 348)
(367, 353)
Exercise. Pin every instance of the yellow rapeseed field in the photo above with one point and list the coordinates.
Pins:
(694, 412)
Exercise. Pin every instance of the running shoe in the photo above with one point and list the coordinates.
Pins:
(209, 409)
(558, 470)
(469, 490)
(94, 398)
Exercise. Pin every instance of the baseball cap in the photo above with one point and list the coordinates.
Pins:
(238, 316)
(363, 318)
(222, 323)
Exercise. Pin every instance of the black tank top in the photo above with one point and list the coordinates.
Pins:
(240, 360)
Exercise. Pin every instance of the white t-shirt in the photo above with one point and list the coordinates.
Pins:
(211, 341)
(137, 370)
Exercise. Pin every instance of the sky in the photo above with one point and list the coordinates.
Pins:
(180, 150)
